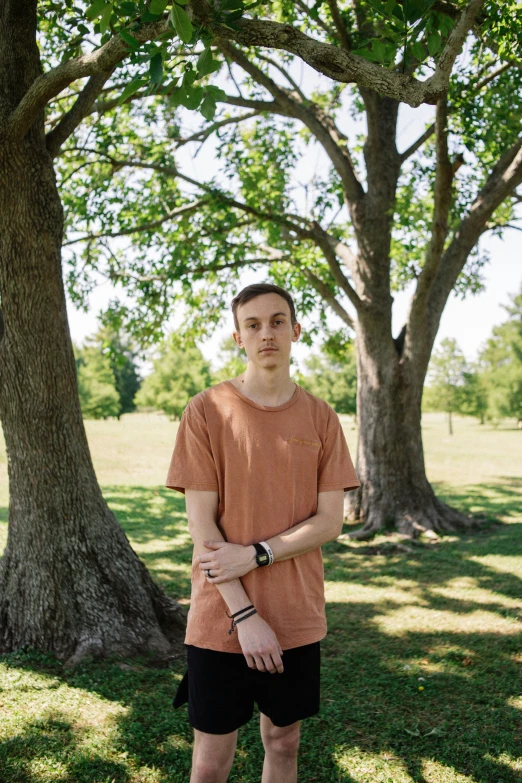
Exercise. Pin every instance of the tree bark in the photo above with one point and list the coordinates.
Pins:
(394, 491)
(69, 580)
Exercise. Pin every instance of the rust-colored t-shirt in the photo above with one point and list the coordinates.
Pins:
(267, 465)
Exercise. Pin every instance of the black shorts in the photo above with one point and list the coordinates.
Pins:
(221, 688)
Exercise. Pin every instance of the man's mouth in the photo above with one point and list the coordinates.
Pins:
(268, 350)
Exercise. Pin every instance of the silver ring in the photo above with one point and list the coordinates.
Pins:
(208, 573)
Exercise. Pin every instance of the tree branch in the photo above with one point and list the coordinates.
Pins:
(80, 109)
(285, 73)
(327, 295)
(412, 149)
(324, 242)
(505, 176)
(329, 60)
(141, 227)
(342, 32)
(319, 22)
(442, 197)
(342, 66)
(316, 120)
(439, 82)
(50, 84)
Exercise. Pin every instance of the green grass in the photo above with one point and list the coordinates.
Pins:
(421, 668)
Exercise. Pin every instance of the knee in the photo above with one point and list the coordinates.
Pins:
(281, 742)
(208, 771)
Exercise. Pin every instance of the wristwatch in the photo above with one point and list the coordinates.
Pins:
(262, 556)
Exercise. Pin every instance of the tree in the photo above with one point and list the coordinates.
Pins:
(99, 397)
(231, 360)
(121, 356)
(416, 214)
(179, 373)
(333, 378)
(474, 395)
(81, 590)
(500, 363)
(447, 378)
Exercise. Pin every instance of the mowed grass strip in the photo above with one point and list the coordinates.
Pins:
(422, 665)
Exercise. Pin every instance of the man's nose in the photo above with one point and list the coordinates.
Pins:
(267, 332)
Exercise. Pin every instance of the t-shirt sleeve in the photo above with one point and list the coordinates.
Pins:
(336, 470)
(192, 465)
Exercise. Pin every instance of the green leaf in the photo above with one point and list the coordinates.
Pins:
(83, 29)
(105, 19)
(182, 2)
(131, 88)
(181, 23)
(434, 43)
(204, 62)
(413, 10)
(379, 50)
(129, 8)
(95, 9)
(129, 39)
(192, 98)
(232, 26)
(216, 92)
(156, 69)
(366, 54)
(233, 16)
(419, 51)
(158, 6)
(208, 107)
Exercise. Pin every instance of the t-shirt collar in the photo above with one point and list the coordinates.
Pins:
(271, 408)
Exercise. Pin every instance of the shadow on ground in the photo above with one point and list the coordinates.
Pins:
(421, 668)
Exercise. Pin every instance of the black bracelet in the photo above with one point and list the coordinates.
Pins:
(240, 611)
(235, 622)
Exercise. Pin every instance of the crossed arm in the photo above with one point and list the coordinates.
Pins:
(229, 562)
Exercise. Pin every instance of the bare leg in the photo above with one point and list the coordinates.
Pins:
(281, 748)
(212, 756)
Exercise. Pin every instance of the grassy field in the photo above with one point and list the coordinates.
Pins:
(421, 668)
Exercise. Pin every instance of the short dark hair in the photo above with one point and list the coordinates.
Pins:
(257, 289)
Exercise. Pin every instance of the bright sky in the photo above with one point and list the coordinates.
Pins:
(469, 321)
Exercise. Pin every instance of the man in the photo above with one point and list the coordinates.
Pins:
(264, 466)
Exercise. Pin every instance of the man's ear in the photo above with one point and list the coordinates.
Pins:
(237, 338)
(297, 332)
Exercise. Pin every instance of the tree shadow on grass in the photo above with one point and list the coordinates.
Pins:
(496, 500)
(392, 620)
(54, 739)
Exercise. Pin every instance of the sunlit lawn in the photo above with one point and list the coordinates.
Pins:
(422, 666)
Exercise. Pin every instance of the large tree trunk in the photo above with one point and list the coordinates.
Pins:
(390, 459)
(394, 489)
(69, 580)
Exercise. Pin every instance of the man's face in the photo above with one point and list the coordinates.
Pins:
(265, 330)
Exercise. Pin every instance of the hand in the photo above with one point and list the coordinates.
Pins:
(259, 644)
(227, 561)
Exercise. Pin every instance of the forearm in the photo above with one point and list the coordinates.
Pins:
(228, 562)
(232, 592)
(303, 537)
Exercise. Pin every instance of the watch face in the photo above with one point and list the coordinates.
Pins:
(263, 559)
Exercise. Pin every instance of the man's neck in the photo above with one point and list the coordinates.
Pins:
(266, 388)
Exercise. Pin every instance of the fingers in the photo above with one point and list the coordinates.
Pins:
(278, 663)
(250, 661)
(260, 664)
